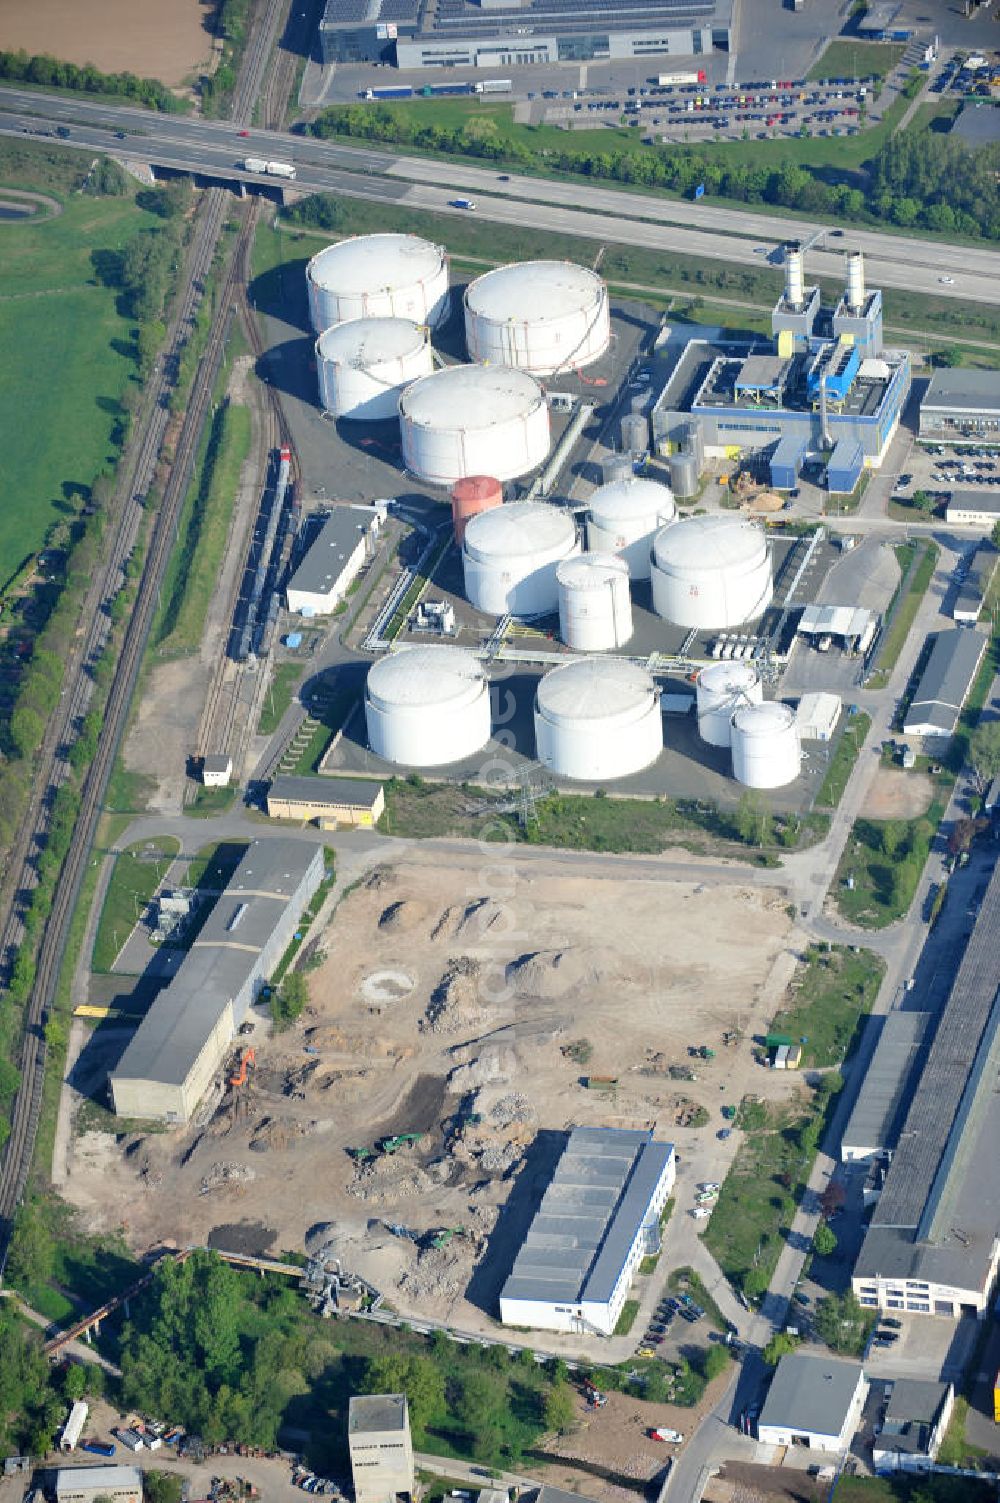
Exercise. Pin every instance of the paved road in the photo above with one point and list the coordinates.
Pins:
(604, 214)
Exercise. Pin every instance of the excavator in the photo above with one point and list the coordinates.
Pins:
(247, 1058)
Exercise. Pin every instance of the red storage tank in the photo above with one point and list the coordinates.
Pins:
(470, 496)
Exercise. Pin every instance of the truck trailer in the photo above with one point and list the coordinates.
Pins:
(669, 79)
(268, 169)
(390, 91)
(494, 86)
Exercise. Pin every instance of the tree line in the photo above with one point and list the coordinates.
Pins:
(52, 73)
(918, 179)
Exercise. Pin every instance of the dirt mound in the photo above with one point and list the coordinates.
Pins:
(224, 1174)
(552, 973)
(439, 1273)
(492, 1067)
(275, 1133)
(390, 1181)
(403, 915)
(455, 1002)
(470, 923)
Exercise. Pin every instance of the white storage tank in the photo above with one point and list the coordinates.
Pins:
(541, 316)
(473, 420)
(625, 515)
(765, 743)
(595, 607)
(427, 706)
(721, 690)
(378, 276)
(510, 556)
(364, 364)
(597, 719)
(711, 572)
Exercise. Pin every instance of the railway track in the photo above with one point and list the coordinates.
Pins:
(140, 468)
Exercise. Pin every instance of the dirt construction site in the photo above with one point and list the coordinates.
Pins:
(451, 1036)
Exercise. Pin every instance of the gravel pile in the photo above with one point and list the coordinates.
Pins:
(512, 1108)
(226, 1173)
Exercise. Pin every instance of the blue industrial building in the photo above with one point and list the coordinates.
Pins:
(834, 395)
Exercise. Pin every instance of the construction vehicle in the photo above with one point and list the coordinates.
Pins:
(398, 1140)
(729, 1112)
(362, 1155)
(444, 1236)
(247, 1058)
(595, 1398)
(700, 1051)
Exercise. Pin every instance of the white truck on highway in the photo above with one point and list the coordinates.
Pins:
(269, 169)
(494, 86)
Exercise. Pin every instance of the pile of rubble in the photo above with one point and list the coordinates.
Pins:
(224, 1174)
(439, 1273)
(512, 1108)
(389, 1183)
(499, 1158)
(455, 1001)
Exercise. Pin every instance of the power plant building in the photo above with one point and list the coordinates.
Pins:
(598, 1218)
(181, 1043)
(836, 394)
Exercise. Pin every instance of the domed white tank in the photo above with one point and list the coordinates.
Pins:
(711, 572)
(765, 745)
(597, 719)
(510, 556)
(426, 706)
(624, 517)
(473, 420)
(541, 316)
(721, 690)
(364, 364)
(595, 607)
(378, 276)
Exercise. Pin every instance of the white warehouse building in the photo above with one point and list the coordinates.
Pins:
(595, 606)
(510, 556)
(597, 719)
(364, 365)
(378, 276)
(427, 706)
(332, 561)
(711, 572)
(598, 1218)
(541, 316)
(474, 420)
(625, 516)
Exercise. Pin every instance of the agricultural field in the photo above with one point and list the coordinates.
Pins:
(67, 354)
(137, 36)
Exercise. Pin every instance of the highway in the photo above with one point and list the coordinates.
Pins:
(604, 214)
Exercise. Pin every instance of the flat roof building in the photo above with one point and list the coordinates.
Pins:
(378, 1438)
(961, 406)
(499, 34)
(598, 1218)
(873, 1126)
(181, 1042)
(84, 1484)
(944, 685)
(357, 803)
(973, 509)
(916, 1418)
(933, 1244)
(216, 770)
(332, 561)
(814, 1402)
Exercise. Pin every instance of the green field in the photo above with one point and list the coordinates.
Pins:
(855, 59)
(66, 354)
(829, 994)
(280, 690)
(852, 738)
(903, 607)
(883, 861)
(137, 873)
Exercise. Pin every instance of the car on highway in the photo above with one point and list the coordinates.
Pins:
(243, 133)
(947, 281)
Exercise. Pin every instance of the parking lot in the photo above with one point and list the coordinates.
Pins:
(940, 469)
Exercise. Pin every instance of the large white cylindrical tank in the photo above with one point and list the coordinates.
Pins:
(711, 572)
(473, 420)
(378, 276)
(595, 607)
(624, 517)
(541, 316)
(765, 743)
(721, 690)
(364, 364)
(426, 706)
(510, 556)
(597, 719)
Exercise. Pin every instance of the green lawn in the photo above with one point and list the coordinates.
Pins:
(65, 359)
(133, 881)
(850, 58)
(884, 860)
(904, 605)
(852, 736)
(827, 996)
(284, 681)
(204, 530)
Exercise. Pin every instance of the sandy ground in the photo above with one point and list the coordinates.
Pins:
(168, 42)
(434, 1000)
(895, 794)
(742, 1482)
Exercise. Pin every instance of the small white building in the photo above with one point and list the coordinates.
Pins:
(216, 771)
(814, 1402)
(84, 1484)
(973, 509)
(332, 563)
(916, 1417)
(597, 1220)
(378, 1438)
(816, 716)
(73, 1428)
